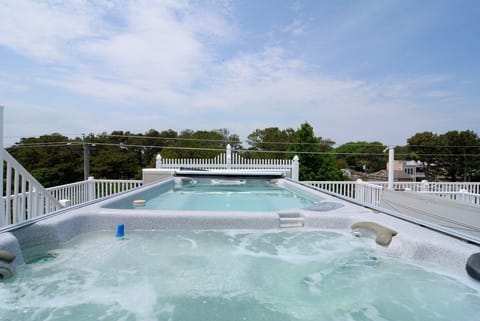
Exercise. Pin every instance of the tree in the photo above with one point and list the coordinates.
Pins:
(404, 153)
(316, 156)
(112, 156)
(460, 158)
(270, 142)
(201, 144)
(454, 154)
(52, 159)
(363, 156)
(426, 148)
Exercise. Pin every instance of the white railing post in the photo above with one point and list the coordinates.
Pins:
(424, 186)
(464, 196)
(391, 165)
(158, 161)
(295, 168)
(2, 208)
(91, 188)
(359, 190)
(229, 156)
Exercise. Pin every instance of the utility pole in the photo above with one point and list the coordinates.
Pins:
(86, 159)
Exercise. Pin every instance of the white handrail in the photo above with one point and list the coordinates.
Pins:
(233, 161)
(470, 187)
(365, 193)
(25, 197)
(462, 196)
(91, 189)
(368, 194)
(371, 192)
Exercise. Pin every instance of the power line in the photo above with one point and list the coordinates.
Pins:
(46, 144)
(229, 141)
(364, 144)
(166, 147)
(204, 140)
(173, 138)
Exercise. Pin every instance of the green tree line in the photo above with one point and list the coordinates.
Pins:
(55, 159)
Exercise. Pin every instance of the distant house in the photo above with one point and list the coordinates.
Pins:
(404, 171)
(408, 170)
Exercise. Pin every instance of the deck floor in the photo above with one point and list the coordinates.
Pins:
(461, 217)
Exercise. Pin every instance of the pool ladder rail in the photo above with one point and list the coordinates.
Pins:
(291, 219)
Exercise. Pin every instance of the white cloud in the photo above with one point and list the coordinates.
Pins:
(7, 85)
(296, 27)
(156, 46)
(163, 58)
(41, 30)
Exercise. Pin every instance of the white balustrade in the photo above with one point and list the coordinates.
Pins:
(425, 186)
(343, 188)
(92, 189)
(371, 192)
(364, 193)
(462, 196)
(233, 161)
(25, 197)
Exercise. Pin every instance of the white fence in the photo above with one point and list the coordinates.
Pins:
(25, 197)
(91, 189)
(371, 192)
(364, 193)
(425, 186)
(463, 192)
(232, 161)
(462, 196)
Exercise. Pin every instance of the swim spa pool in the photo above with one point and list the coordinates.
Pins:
(230, 275)
(218, 194)
(234, 265)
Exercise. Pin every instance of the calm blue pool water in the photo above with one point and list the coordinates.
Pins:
(205, 194)
(304, 275)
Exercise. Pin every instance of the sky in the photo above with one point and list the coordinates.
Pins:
(354, 70)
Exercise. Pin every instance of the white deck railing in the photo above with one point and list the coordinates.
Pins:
(462, 192)
(425, 186)
(364, 193)
(462, 196)
(232, 161)
(91, 189)
(371, 192)
(25, 197)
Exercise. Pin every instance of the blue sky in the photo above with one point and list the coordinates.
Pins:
(355, 70)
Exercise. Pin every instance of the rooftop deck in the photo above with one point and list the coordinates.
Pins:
(453, 208)
(451, 214)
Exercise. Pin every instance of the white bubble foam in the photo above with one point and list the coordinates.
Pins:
(307, 275)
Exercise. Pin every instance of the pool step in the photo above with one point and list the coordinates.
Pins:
(290, 220)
